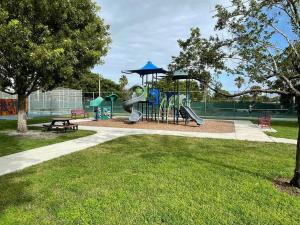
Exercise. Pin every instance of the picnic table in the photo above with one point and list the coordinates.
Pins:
(60, 124)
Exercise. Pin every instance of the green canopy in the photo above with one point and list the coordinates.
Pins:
(112, 97)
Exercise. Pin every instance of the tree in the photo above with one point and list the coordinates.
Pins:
(89, 83)
(255, 28)
(239, 81)
(44, 43)
(167, 85)
(220, 93)
(198, 56)
(123, 81)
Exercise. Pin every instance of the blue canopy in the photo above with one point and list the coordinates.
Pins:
(149, 68)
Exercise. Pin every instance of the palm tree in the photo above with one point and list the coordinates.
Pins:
(123, 81)
(239, 82)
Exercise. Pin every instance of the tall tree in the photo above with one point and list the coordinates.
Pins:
(46, 42)
(263, 47)
(123, 81)
(89, 83)
(198, 56)
(257, 26)
(239, 81)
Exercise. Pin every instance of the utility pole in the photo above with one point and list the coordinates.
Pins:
(99, 85)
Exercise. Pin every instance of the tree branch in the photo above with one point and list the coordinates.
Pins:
(10, 93)
(290, 85)
(286, 38)
(270, 91)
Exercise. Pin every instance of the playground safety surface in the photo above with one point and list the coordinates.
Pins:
(209, 126)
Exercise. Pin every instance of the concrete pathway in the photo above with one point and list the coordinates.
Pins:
(244, 130)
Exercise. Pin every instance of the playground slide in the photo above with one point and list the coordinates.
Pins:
(96, 102)
(128, 106)
(193, 115)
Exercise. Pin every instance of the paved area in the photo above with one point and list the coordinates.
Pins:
(244, 130)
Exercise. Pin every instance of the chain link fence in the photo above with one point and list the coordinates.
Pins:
(62, 100)
(223, 108)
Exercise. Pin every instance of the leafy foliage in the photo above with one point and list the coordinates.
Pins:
(89, 82)
(198, 56)
(257, 28)
(123, 81)
(43, 43)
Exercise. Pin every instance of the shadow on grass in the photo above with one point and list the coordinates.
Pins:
(156, 157)
(13, 191)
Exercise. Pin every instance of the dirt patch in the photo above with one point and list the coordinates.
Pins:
(209, 126)
(283, 184)
(32, 134)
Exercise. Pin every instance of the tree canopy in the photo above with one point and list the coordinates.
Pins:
(261, 46)
(265, 47)
(46, 42)
(89, 82)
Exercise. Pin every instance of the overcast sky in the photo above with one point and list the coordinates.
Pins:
(149, 30)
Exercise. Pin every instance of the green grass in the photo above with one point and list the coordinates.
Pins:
(155, 180)
(14, 144)
(285, 129)
(12, 124)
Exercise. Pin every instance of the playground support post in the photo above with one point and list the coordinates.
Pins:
(157, 107)
(147, 107)
(142, 76)
(177, 110)
(111, 109)
(152, 105)
(174, 102)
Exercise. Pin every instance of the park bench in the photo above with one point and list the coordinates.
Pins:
(77, 112)
(265, 121)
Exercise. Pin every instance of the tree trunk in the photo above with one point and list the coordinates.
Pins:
(22, 117)
(296, 179)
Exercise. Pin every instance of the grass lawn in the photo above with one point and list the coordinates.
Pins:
(285, 129)
(12, 124)
(12, 144)
(155, 180)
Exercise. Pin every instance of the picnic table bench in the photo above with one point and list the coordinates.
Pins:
(60, 124)
(76, 112)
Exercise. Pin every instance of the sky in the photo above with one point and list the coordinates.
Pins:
(144, 31)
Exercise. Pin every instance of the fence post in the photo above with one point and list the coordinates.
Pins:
(205, 102)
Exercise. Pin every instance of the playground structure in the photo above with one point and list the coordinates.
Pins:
(104, 113)
(150, 103)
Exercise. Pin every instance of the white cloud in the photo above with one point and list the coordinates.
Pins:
(149, 30)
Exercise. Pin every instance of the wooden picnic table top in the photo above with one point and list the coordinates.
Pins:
(61, 119)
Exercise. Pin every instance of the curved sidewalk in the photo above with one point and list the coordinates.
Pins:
(244, 130)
